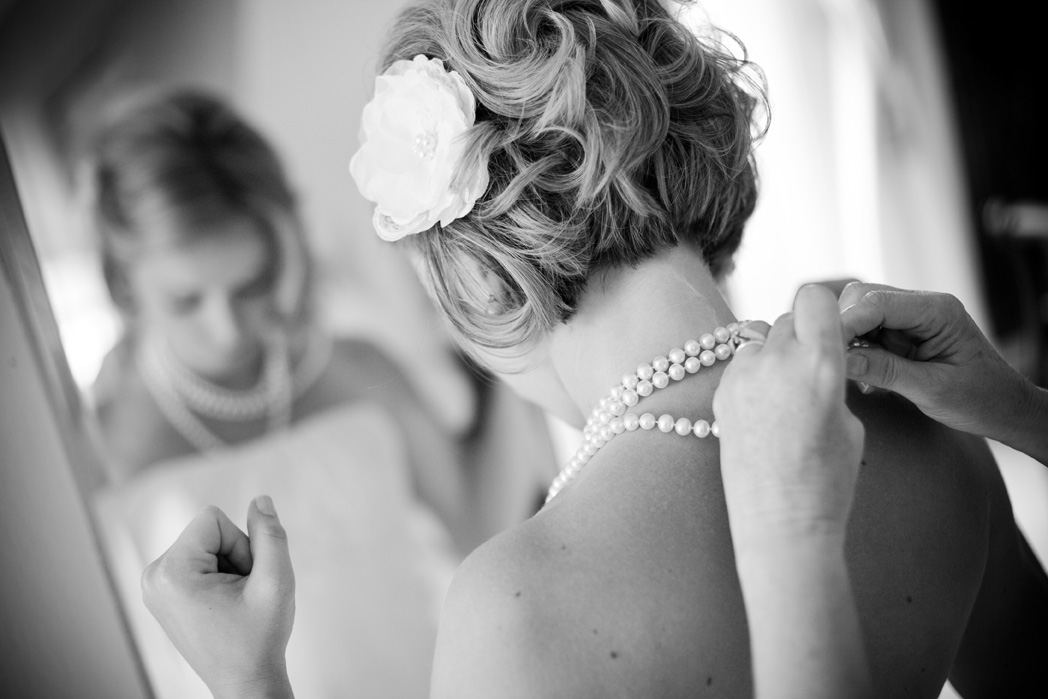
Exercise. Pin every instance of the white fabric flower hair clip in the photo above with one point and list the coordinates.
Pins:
(412, 145)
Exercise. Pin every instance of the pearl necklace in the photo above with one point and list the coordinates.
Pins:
(211, 400)
(610, 416)
(182, 395)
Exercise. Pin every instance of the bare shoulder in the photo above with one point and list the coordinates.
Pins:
(931, 542)
(510, 629)
(134, 432)
(597, 597)
(364, 360)
(357, 370)
(489, 629)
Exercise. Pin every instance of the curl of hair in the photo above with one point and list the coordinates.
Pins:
(169, 164)
(611, 131)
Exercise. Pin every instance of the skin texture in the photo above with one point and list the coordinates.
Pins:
(790, 457)
(237, 638)
(928, 349)
(626, 584)
(627, 581)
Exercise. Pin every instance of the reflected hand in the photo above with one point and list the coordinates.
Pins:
(790, 448)
(227, 601)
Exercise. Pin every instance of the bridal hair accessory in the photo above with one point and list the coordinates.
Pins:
(412, 149)
(610, 416)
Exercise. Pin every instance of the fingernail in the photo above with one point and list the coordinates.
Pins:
(856, 364)
(264, 503)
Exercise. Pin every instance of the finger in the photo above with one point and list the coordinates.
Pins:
(748, 347)
(908, 311)
(782, 331)
(854, 291)
(269, 547)
(754, 329)
(817, 321)
(883, 369)
(209, 536)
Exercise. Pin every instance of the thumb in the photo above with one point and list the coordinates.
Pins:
(271, 558)
(883, 369)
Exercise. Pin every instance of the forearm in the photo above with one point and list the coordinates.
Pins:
(277, 687)
(804, 630)
(1028, 428)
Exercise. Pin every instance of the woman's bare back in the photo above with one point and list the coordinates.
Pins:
(626, 584)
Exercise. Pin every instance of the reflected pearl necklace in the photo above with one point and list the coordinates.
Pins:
(169, 391)
(610, 416)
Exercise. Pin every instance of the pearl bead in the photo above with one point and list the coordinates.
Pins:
(610, 417)
(425, 145)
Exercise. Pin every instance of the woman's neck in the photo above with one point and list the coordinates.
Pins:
(631, 315)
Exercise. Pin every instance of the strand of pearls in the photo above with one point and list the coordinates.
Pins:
(211, 400)
(164, 386)
(612, 415)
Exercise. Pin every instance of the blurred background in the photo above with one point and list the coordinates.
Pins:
(904, 148)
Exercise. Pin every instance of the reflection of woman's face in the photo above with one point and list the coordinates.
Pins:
(211, 300)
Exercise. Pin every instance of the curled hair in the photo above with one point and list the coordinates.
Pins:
(611, 131)
(168, 165)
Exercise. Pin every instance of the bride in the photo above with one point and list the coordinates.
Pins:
(573, 177)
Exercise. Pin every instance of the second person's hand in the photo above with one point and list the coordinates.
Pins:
(926, 348)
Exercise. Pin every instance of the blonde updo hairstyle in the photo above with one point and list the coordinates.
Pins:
(611, 132)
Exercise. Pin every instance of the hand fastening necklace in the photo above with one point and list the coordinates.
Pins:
(612, 415)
